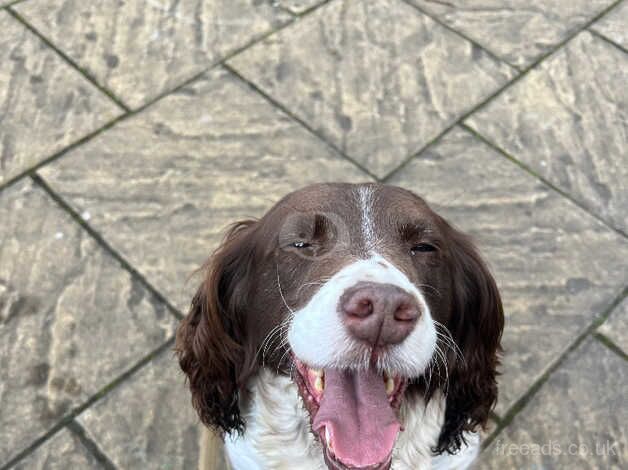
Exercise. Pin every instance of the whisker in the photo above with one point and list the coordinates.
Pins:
(449, 340)
(429, 378)
(277, 330)
(281, 293)
(319, 282)
(440, 355)
(287, 351)
(451, 345)
(430, 287)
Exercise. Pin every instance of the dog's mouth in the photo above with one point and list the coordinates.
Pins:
(353, 413)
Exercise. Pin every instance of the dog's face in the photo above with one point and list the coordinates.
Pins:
(364, 296)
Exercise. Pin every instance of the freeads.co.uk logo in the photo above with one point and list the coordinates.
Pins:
(555, 448)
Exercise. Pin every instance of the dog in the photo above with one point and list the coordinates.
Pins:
(351, 327)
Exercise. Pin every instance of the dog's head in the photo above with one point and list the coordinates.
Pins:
(364, 296)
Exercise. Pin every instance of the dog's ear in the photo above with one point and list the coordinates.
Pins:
(210, 341)
(476, 324)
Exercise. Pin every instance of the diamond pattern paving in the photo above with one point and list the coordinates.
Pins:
(71, 319)
(614, 25)
(141, 48)
(298, 6)
(206, 156)
(44, 104)
(377, 78)
(616, 327)
(233, 104)
(584, 428)
(155, 425)
(63, 451)
(567, 121)
(552, 284)
(518, 31)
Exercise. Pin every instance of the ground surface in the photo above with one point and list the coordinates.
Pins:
(133, 131)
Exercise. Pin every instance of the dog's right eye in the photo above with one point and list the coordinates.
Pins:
(422, 248)
(301, 244)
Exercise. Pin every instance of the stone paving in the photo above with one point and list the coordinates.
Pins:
(133, 131)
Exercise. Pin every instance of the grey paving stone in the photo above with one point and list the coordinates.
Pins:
(63, 451)
(147, 422)
(566, 120)
(518, 31)
(141, 48)
(614, 25)
(71, 319)
(44, 104)
(298, 6)
(557, 267)
(491, 426)
(163, 186)
(4, 3)
(577, 420)
(616, 327)
(377, 78)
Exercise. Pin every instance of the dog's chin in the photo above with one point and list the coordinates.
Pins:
(354, 414)
(334, 464)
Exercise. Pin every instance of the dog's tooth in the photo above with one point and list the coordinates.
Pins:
(319, 385)
(317, 372)
(327, 438)
(390, 385)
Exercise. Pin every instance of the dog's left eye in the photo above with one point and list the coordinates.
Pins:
(422, 248)
(301, 244)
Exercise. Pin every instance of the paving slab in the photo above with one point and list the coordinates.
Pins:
(566, 120)
(376, 78)
(298, 6)
(4, 3)
(557, 268)
(71, 319)
(141, 48)
(63, 451)
(577, 420)
(162, 186)
(148, 422)
(518, 31)
(614, 25)
(616, 326)
(45, 104)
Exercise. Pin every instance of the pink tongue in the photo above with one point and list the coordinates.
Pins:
(355, 409)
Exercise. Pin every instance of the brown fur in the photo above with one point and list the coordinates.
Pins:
(238, 303)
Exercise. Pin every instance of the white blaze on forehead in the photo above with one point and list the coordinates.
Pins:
(318, 337)
(365, 199)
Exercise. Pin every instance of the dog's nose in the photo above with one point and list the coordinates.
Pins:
(379, 313)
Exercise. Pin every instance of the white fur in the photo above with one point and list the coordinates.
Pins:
(278, 433)
(318, 338)
(365, 197)
(277, 429)
(463, 458)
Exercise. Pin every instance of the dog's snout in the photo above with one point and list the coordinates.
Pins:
(381, 313)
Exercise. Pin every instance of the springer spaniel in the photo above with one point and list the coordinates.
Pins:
(351, 327)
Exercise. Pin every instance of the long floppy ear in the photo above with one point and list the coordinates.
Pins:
(476, 325)
(210, 341)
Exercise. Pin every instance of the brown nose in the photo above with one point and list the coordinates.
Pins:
(379, 313)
